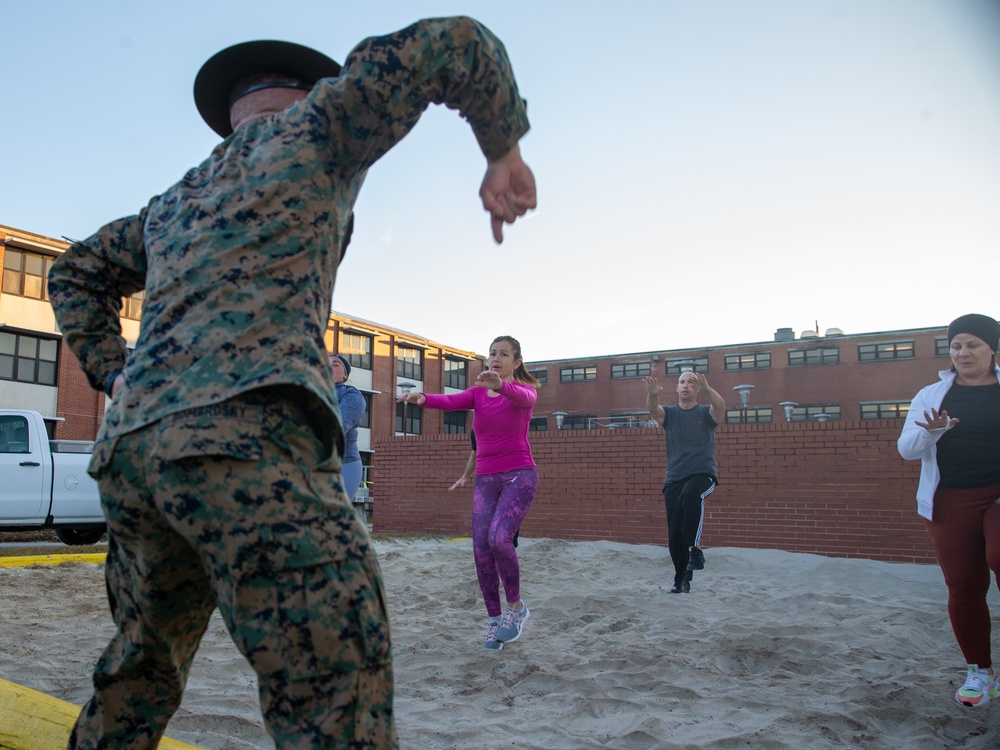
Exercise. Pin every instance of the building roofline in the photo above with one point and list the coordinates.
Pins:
(407, 336)
(811, 341)
(31, 240)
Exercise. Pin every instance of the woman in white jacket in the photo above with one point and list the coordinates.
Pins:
(953, 427)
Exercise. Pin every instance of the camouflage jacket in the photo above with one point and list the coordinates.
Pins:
(238, 259)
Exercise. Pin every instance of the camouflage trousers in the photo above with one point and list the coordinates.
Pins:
(230, 506)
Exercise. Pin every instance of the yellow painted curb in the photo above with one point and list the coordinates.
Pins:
(21, 562)
(30, 720)
(460, 539)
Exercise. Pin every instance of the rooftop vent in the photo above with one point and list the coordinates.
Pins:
(834, 332)
(784, 334)
(810, 334)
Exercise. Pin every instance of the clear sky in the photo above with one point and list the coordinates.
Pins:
(708, 170)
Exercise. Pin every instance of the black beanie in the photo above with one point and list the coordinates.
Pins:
(981, 326)
(344, 362)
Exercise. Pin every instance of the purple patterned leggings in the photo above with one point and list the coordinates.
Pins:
(500, 503)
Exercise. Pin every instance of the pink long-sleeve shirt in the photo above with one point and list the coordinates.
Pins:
(501, 423)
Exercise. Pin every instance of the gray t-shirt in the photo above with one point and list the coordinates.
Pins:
(690, 435)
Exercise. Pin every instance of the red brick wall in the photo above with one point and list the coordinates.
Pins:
(836, 488)
(80, 405)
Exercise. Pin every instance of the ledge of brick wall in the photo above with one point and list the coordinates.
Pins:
(836, 488)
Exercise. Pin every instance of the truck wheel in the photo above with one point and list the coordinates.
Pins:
(78, 537)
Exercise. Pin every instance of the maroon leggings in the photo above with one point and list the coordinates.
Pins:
(966, 537)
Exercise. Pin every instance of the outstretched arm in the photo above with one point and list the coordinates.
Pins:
(442, 401)
(519, 394)
(717, 404)
(388, 81)
(653, 391)
(412, 397)
(923, 427)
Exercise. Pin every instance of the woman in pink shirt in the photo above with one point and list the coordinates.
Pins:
(506, 479)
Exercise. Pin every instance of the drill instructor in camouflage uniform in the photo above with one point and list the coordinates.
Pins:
(219, 457)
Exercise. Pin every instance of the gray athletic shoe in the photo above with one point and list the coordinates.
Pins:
(491, 635)
(512, 623)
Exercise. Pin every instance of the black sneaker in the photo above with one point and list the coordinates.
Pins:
(696, 559)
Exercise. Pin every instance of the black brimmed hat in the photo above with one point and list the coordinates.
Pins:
(217, 77)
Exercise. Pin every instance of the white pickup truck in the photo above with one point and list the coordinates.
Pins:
(44, 483)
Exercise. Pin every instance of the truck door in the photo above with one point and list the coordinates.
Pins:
(22, 471)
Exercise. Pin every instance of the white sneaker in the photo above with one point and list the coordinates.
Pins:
(512, 623)
(979, 689)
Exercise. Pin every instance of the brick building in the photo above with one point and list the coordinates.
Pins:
(843, 376)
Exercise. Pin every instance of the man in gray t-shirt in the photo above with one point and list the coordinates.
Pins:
(692, 475)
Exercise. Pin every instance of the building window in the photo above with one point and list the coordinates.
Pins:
(750, 361)
(542, 376)
(366, 418)
(14, 434)
(358, 349)
(889, 350)
(808, 412)
(409, 363)
(579, 422)
(26, 274)
(750, 415)
(941, 346)
(408, 418)
(132, 306)
(811, 357)
(630, 370)
(455, 374)
(674, 365)
(28, 359)
(577, 374)
(454, 422)
(884, 409)
(539, 424)
(364, 492)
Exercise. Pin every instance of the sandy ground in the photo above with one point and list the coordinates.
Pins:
(771, 650)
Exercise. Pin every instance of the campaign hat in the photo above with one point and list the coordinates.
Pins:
(215, 81)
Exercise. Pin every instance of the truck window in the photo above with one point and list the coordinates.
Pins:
(13, 434)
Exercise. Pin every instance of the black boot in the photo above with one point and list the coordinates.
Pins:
(683, 586)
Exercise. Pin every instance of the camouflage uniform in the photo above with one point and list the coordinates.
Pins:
(216, 462)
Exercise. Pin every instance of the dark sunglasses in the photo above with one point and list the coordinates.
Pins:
(270, 85)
